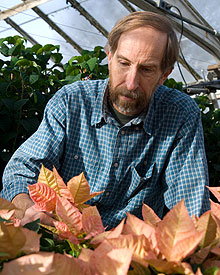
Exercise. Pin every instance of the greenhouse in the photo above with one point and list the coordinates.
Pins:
(110, 137)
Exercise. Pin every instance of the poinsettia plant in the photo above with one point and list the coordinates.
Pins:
(176, 244)
(74, 220)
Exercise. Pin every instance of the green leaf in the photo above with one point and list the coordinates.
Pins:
(4, 254)
(19, 104)
(80, 59)
(92, 62)
(211, 271)
(30, 124)
(4, 50)
(50, 242)
(36, 48)
(15, 50)
(70, 79)
(34, 226)
(57, 57)
(9, 104)
(48, 47)
(4, 220)
(33, 78)
(23, 62)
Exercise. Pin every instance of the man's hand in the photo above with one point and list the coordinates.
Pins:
(22, 202)
(26, 211)
(33, 214)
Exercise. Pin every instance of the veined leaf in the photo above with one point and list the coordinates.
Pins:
(47, 177)
(64, 233)
(115, 261)
(66, 264)
(92, 222)
(176, 234)
(199, 256)
(63, 191)
(215, 208)
(207, 224)
(43, 196)
(136, 226)
(12, 239)
(85, 255)
(30, 264)
(69, 214)
(139, 246)
(80, 190)
(115, 233)
(32, 243)
(149, 216)
(107, 260)
(171, 267)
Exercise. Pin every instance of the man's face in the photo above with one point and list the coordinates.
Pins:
(135, 69)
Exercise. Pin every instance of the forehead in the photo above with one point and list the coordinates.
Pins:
(141, 43)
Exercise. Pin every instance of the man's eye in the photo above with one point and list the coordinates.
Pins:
(146, 70)
(123, 63)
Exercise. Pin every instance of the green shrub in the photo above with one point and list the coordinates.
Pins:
(29, 77)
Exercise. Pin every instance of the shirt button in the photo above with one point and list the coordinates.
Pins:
(137, 128)
(76, 157)
(145, 162)
(115, 164)
(122, 132)
(107, 193)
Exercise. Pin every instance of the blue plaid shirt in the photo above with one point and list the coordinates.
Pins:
(157, 158)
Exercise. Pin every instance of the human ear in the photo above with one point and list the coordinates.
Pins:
(165, 75)
(109, 54)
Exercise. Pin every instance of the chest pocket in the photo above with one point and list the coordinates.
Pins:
(139, 183)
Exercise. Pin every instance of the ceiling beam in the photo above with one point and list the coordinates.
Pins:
(88, 16)
(189, 68)
(202, 38)
(57, 29)
(127, 5)
(20, 30)
(28, 4)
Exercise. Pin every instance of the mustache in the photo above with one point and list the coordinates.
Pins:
(130, 94)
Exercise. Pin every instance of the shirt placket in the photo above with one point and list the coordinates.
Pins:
(116, 170)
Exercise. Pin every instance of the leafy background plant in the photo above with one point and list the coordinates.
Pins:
(29, 77)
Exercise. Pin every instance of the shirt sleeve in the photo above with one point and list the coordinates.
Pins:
(186, 175)
(44, 146)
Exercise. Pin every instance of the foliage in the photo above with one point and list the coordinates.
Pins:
(171, 83)
(29, 77)
(177, 244)
(211, 127)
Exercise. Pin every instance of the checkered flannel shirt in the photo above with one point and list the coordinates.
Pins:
(157, 158)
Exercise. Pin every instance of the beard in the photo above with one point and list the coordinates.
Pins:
(139, 102)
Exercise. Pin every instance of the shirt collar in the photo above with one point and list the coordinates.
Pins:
(100, 105)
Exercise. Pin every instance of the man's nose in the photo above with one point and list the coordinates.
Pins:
(132, 79)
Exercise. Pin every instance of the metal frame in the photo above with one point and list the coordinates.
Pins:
(201, 37)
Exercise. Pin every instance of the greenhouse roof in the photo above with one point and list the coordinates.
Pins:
(84, 24)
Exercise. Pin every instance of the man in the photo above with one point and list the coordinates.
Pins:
(136, 140)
